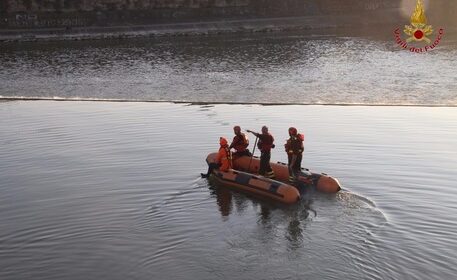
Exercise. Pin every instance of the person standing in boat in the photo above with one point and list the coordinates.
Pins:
(240, 143)
(223, 159)
(265, 144)
(294, 149)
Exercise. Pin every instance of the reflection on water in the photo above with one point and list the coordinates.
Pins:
(298, 215)
(260, 68)
(224, 200)
(112, 191)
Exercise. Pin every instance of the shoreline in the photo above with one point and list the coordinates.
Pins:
(193, 103)
(319, 22)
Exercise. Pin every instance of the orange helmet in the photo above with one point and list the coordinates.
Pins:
(223, 141)
(293, 131)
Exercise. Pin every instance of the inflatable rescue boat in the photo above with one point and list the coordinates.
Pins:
(257, 185)
(321, 182)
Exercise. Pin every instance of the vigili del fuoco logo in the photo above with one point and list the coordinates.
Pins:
(418, 32)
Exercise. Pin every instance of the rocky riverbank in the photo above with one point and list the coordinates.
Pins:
(198, 28)
(78, 20)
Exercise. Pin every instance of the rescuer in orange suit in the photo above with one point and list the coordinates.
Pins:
(294, 149)
(265, 144)
(240, 143)
(223, 159)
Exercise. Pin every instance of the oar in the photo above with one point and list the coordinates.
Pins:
(253, 151)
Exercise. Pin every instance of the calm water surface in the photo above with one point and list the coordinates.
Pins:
(112, 191)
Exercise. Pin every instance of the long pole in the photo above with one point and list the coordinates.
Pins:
(253, 151)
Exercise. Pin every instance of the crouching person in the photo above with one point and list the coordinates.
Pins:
(223, 159)
(240, 143)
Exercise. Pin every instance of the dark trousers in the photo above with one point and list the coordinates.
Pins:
(265, 163)
(294, 164)
(211, 167)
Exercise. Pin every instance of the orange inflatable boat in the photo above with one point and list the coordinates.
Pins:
(321, 182)
(257, 185)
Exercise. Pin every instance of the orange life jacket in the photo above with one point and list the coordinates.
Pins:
(240, 143)
(265, 142)
(224, 158)
(294, 145)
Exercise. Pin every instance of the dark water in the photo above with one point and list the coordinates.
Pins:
(265, 68)
(111, 191)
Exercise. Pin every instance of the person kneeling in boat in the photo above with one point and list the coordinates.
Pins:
(294, 149)
(265, 144)
(223, 159)
(240, 143)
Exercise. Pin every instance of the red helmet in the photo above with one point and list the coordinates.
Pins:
(223, 141)
(292, 131)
